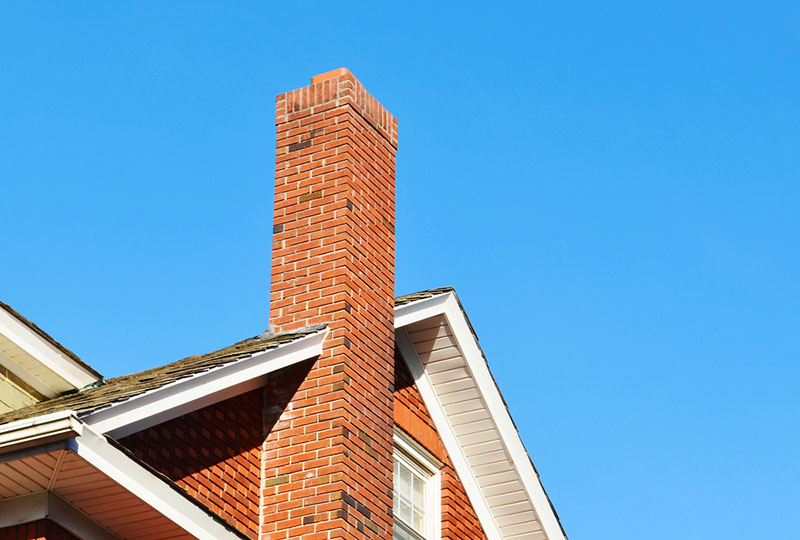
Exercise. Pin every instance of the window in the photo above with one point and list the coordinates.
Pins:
(417, 496)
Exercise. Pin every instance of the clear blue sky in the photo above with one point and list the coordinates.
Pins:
(612, 187)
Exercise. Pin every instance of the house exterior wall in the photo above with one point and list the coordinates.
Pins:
(214, 453)
(459, 521)
(43, 529)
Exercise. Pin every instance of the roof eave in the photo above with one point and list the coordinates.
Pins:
(202, 389)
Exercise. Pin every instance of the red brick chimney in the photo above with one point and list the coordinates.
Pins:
(328, 457)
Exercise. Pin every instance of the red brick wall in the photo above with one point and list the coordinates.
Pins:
(215, 454)
(327, 461)
(44, 529)
(458, 517)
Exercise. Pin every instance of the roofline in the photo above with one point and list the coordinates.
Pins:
(448, 305)
(97, 450)
(46, 350)
(201, 389)
(39, 430)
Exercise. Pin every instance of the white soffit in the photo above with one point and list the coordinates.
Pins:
(38, 362)
(112, 464)
(202, 389)
(148, 487)
(448, 366)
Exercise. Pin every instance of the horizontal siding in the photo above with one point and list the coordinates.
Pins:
(478, 436)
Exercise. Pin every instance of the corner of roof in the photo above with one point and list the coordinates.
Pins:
(47, 337)
(122, 388)
(422, 295)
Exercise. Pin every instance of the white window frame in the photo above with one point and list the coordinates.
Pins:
(415, 457)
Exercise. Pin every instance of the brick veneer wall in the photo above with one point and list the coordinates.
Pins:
(43, 529)
(215, 454)
(458, 517)
(328, 459)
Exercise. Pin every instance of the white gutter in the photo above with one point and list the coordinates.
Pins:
(39, 430)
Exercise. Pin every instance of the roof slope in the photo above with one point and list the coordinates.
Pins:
(124, 387)
(47, 337)
(421, 295)
(127, 386)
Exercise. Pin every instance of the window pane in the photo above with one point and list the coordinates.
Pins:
(419, 520)
(405, 482)
(409, 503)
(419, 492)
(404, 511)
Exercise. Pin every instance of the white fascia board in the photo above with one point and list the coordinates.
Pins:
(502, 419)
(447, 304)
(94, 448)
(23, 509)
(203, 389)
(39, 430)
(419, 310)
(45, 352)
(449, 439)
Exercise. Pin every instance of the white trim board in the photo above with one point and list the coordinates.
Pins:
(64, 368)
(94, 448)
(39, 430)
(447, 305)
(48, 505)
(202, 389)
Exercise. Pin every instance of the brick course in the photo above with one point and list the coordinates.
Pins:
(214, 453)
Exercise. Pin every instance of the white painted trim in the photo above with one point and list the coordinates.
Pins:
(502, 419)
(410, 454)
(446, 433)
(202, 389)
(39, 430)
(404, 441)
(94, 448)
(23, 509)
(419, 310)
(44, 351)
(447, 304)
(26, 377)
(75, 521)
(48, 505)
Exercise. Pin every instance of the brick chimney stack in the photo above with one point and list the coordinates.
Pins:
(327, 462)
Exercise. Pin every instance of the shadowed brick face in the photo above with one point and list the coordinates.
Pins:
(44, 529)
(327, 461)
(459, 521)
(214, 454)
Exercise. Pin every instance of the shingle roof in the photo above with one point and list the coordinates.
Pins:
(122, 388)
(407, 299)
(127, 386)
(44, 335)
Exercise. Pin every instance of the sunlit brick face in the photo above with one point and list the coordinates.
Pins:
(328, 458)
